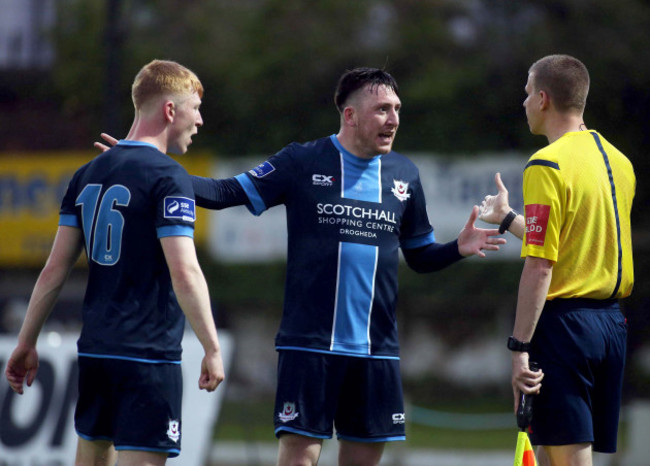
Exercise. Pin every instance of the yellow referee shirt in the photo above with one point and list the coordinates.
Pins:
(578, 193)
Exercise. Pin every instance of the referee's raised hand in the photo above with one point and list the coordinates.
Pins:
(495, 207)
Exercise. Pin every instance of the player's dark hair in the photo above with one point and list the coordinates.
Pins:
(358, 78)
(565, 79)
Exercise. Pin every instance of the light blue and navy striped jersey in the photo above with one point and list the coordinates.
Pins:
(346, 219)
(124, 201)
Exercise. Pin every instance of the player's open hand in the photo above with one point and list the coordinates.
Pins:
(495, 207)
(22, 367)
(109, 139)
(473, 241)
(212, 372)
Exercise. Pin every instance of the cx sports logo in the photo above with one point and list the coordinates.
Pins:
(322, 180)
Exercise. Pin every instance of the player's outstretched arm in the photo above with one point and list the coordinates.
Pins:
(473, 241)
(495, 208)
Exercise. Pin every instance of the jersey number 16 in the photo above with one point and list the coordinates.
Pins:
(103, 225)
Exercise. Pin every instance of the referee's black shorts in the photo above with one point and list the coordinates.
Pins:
(580, 344)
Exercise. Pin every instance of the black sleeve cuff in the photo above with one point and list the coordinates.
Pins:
(432, 257)
(218, 194)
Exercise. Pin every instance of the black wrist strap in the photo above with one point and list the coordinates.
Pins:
(507, 221)
(516, 345)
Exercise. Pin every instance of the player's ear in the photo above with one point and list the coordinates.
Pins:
(169, 111)
(350, 116)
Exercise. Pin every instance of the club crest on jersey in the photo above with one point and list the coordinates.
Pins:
(262, 170)
(288, 413)
(181, 208)
(174, 431)
(400, 190)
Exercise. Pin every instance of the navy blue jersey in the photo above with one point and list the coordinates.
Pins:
(346, 219)
(124, 201)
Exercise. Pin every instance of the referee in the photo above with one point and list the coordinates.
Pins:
(578, 193)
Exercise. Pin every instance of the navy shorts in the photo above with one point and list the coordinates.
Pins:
(135, 405)
(361, 397)
(580, 344)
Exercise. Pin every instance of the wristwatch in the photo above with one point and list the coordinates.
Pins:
(516, 345)
(507, 221)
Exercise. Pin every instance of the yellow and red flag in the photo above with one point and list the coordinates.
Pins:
(524, 454)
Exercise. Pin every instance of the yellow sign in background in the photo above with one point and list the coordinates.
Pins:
(32, 186)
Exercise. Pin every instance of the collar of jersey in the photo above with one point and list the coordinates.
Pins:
(351, 158)
(578, 133)
(126, 142)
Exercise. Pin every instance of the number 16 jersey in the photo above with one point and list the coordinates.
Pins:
(124, 201)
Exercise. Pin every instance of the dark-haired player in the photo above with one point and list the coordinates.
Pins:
(351, 204)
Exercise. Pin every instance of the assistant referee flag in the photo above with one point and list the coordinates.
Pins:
(524, 454)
